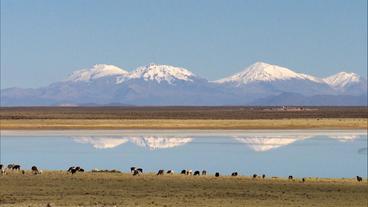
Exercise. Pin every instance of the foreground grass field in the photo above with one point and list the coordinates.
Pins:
(347, 123)
(117, 189)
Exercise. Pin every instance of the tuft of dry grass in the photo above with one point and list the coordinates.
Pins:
(121, 189)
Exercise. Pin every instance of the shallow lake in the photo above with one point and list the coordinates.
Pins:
(302, 153)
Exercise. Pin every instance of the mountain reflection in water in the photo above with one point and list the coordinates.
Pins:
(256, 143)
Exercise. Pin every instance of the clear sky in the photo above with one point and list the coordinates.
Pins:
(43, 41)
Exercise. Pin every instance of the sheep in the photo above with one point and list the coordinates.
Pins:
(290, 177)
(217, 174)
(160, 172)
(197, 172)
(254, 176)
(170, 172)
(359, 179)
(234, 174)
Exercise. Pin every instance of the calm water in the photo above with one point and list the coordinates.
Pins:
(301, 153)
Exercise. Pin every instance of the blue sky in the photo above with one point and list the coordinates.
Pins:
(43, 41)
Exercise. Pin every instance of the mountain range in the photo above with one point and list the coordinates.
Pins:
(160, 85)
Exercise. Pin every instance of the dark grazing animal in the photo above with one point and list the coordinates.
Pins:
(359, 179)
(204, 172)
(160, 172)
(183, 172)
(132, 169)
(72, 170)
(35, 170)
(254, 176)
(290, 177)
(234, 174)
(197, 172)
(16, 167)
(81, 170)
(136, 172)
(170, 172)
(78, 168)
(303, 180)
(263, 176)
(1, 166)
(217, 174)
(140, 170)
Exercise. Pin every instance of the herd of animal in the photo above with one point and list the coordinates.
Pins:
(135, 171)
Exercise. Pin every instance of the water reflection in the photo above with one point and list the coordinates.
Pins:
(329, 153)
(255, 142)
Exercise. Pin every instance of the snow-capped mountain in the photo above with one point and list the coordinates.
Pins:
(96, 72)
(160, 73)
(347, 83)
(263, 72)
(160, 85)
(261, 80)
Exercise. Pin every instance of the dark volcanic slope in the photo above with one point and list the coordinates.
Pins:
(179, 112)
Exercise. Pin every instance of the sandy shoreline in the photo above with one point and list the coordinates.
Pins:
(65, 124)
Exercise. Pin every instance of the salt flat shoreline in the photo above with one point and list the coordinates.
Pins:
(228, 124)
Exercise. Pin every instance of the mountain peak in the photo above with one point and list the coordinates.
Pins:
(342, 79)
(264, 72)
(162, 73)
(97, 71)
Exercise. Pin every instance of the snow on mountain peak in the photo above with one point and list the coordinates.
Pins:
(342, 79)
(160, 73)
(265, 72)
(97, 71)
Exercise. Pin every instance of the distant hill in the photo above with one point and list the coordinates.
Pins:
(160, 85)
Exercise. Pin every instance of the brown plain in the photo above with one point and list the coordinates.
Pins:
(121, 189)
(183, 118)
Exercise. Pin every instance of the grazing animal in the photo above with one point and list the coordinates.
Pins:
(290, 177)
(359, 179)
(263, 176)
(183, 172)
(35, 170)
(160, 172)
(189, 172)
(72, 170)
(78, 168)
(170, 172)
(303, 180)
(136, 172)
(254, 176)
(197, 172)
(140, 170)
(10, 166)
(1, 166)
(217, 174)
(234, 174)
(132, 169)
(81, 170)
(204, 172)
(16, 167)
